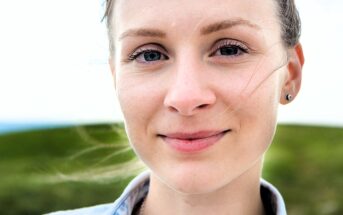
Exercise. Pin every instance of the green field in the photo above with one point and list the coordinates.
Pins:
(54, 169)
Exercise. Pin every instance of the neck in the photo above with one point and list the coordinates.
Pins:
(240, 196)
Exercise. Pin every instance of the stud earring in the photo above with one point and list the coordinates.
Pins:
(288, 97)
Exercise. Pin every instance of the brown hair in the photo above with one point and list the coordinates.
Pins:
(290, 22)
(288, 13)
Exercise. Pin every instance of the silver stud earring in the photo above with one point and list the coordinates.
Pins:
(288, 97)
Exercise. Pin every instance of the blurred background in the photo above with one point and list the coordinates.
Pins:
(61, 134)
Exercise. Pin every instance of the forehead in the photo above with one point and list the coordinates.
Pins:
(189, 15)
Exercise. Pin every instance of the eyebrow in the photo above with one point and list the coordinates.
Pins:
(143, 32)
(214, 27)
(225, 24)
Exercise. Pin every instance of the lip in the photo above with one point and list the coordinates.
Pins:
(193, 142)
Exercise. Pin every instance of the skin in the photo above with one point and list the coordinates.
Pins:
(193, 87)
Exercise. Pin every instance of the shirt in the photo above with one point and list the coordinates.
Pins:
(138, 188)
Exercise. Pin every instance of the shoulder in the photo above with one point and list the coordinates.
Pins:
(133, 193)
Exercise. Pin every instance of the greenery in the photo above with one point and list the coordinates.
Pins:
(63, 168)
(306, 164)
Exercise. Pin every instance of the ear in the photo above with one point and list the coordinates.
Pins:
(112, 67)
(294, 73)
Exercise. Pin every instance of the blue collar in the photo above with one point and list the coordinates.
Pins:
(139, 186)
(138, 189)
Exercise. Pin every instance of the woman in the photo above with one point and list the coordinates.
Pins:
(199, 83)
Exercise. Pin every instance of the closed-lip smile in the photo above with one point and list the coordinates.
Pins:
(193, 142)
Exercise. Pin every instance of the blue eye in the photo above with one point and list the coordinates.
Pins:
(152, 55)
(147, 56)
(229, 48)
(229, 51)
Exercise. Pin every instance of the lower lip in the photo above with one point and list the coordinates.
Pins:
(192, 146)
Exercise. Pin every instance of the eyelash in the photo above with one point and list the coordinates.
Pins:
(223, 43)
(141, 51)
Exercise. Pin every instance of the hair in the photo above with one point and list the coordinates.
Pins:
(287, 11)
(290, 22)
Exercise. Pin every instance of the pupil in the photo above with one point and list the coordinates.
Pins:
(229, 51)
(152, 56)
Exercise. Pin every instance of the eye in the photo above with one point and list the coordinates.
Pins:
(148, 55)
(229, 48)
(232, 50)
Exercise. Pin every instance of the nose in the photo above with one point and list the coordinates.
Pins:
(189, 91)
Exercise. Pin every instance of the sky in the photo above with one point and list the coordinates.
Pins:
(53, 64)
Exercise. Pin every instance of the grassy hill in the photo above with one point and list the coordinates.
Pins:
(63, 168)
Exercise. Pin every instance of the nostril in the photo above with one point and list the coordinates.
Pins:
(183, 110)
(173, 109)
(202, 106)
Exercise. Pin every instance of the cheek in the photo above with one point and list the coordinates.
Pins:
(139, 100)
(135, 108)
(250, 99)
(258, 115)
(137, 95)
(260, 104)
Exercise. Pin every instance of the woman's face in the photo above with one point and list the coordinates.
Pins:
(199, 83)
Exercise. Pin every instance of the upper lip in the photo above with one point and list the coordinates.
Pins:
(194, 135)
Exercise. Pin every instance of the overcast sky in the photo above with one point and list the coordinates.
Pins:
(53, 63)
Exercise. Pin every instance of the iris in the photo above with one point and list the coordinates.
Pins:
(152, 56)
(229, 50)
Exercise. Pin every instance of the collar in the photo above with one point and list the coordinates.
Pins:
(139, 186)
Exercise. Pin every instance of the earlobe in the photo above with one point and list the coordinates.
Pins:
(112, 67)
(294, 69)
